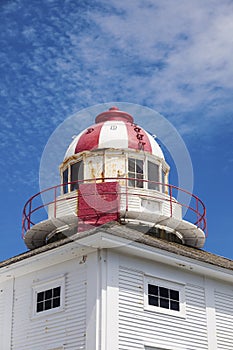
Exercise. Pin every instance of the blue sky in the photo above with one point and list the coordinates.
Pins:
(60, 56)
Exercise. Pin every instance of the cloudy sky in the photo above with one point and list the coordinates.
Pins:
(60, 56)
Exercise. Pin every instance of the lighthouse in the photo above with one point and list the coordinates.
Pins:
(115, 257)
(114, 170)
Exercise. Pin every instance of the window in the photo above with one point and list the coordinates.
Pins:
(73, 173)
(48, 296)
(65, 179)
(153, 175)
(135, 172)
(164, 296)
(164, 188)
(76, 174)
(48, 299)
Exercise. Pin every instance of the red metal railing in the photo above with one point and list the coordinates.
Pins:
(167, 193)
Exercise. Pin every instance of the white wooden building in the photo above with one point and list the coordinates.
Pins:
(128, 276)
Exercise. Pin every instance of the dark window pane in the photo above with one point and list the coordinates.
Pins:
(175, 305)
(56, 302)
(76, 174)
(152, 289)
(131, 175)
(164, 188)
(139, 166)
(153, 175)
(153, 300)
(65, 180)
(40, 296)
(131, 182)
(174, 295)
(39, 307)
(57, 291)
(131, 165)
(139, 176)
(163, 292)
(48, 304)
(140, 183)
(48, 294)
(164, 303)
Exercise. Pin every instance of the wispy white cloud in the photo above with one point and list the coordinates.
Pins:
(57, 58)
(185, 47)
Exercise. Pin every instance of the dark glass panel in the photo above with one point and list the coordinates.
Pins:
(65, 180)
(39, 307)
(76, 174)
(175, 305)
(152, 289)
(140, 183)
(174, 295)
(163, 292)
(57, 292)
(164, 188)
(131, 165)
(139, 166)
(40, 296)
(56, 302)
(153, 175)
(48, 304)
(48, 294)
(164, 303)
(153, 300)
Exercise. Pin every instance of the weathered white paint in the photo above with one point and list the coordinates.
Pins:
(64, 328)
(71, 149)
(113, 134)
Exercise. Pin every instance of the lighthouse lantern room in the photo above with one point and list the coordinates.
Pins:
(114, 170)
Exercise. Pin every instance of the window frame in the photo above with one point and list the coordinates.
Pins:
(69, 187)
(43, 286)
(138, 179)
(179, 287)
(75, 186)
(145, 173)
(157, 186)
(65, 188)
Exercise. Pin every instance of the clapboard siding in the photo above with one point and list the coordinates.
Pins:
(137, 326)
(66, 204)
(224, 320)
(63, 328)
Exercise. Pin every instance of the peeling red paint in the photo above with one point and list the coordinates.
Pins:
(98, 204)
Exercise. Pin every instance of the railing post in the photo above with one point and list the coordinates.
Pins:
(198, 224)
(29, 215)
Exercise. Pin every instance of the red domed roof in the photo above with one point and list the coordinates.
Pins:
(114, 129)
